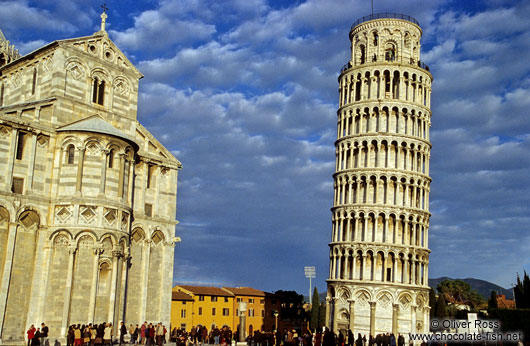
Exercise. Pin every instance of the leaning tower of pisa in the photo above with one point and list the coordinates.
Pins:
(379, 255)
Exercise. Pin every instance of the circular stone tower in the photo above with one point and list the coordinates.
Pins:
(379, 256)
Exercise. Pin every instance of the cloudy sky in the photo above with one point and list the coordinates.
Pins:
(244, 93)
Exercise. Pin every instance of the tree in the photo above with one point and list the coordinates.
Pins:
(492, 302)
(441, 307)
(460, 292)
(315, 310)
(322, 315)
(522, 292)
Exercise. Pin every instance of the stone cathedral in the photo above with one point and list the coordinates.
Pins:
(379, 255)
(87, 194)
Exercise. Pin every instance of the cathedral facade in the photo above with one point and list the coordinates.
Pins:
(87, 194)
(379, 255)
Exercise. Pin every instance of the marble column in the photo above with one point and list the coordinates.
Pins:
(372, 318)
(112, 298)
(352, 314)
(104, 164)
(395, 314)
(68, 289)
(80, 163)
(6, 275)
(93, 287)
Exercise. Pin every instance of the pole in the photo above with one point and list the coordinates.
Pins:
(310, 300)
(372, 7)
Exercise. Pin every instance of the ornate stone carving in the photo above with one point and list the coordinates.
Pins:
(110, 216)
(61, 240)
(88, 213)
(63, 213)
(86, 241)
(76, 70)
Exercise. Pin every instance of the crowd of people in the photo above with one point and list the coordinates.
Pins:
(147, 334)
(199, 336)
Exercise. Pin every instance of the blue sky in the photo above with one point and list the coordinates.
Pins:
(244, 93)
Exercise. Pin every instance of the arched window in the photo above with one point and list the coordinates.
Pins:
(111, 158)
(1, 94)
(104, 278)
(70, 154)
(376, 39)
(390, 52)
(363, 53)
(98, 91)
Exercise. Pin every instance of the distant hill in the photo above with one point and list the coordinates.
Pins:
(481, 286)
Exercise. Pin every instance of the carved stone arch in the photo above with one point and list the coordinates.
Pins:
(86, 240)
(103, 260)
(362, 297)
(384, 298)
(101, 73)
(137, 235)
(107, 242)
(29, 217)
(405, 301)
(75, 67)
(343, 293)
(7, 211)
(82, 237)
(122, 85)
(93, 145)
(71, 139)
(61, 237)
(4, 215)
(157, 237)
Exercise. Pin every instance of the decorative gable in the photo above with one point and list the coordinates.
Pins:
(100, 46)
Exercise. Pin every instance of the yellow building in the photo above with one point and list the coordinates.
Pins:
(261, 307)
(181, 310)
(214, 306)
(211, 306)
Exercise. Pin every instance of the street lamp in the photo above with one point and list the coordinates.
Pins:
(310, 273)
(276, 316)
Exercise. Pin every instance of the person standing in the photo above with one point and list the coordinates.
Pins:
(123, 332)
(31, 334)
(44, 334)
(78, 341)
(159, 334)
(36, 338)
(142, 333)
(107, 337)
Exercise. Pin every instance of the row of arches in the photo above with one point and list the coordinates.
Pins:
(384, 45)
(385, 190)
(372, 265)
(375, 227)
(376, 119)
(384, 84)
(378, 153)
(103, 86)
(104, 157)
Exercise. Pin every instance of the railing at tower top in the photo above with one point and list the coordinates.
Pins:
(385, 15)
(386, 59)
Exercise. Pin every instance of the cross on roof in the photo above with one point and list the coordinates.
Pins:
(103, 17)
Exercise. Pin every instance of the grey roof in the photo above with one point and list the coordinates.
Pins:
(97, 125)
